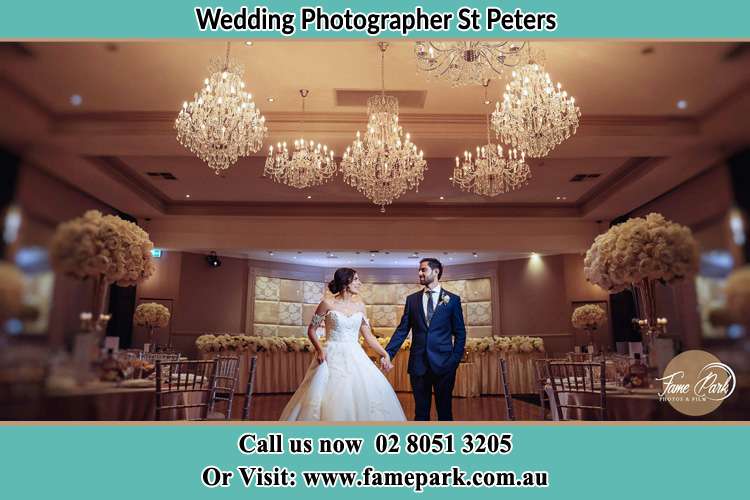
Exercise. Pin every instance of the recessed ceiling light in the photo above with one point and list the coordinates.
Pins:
(249, 43)
(450, 178)
(309, 197)
(487, 102)
(442, 197)
(682, 104)
(76, 100)
(271, 99)
(187, 196)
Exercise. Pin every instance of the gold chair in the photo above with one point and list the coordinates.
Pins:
(183, 388)
(581, 386)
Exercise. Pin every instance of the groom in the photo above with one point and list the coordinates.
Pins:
(436, 321)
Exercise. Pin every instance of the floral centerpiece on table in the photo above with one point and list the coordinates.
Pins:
(152, 316)
(639, 253)
(104, 248)
(11, 291)
(589, 317)
(738, 295)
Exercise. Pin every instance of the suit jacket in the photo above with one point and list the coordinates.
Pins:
(439, 345)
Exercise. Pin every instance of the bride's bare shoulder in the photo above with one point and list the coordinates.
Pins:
(324, 306)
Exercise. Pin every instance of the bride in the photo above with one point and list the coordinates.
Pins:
(342, 383)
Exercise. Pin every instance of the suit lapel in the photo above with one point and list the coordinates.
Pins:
(421, 309)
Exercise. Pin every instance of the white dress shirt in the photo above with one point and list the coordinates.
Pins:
(435, 296)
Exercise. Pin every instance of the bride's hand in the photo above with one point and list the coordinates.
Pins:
(385, 363)
(321, 355)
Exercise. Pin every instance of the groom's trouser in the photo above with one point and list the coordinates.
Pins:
(422, 387)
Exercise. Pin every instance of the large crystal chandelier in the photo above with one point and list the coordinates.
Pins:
(491, 171)
(383, 163)
(535, 115)
(467, 62)
(309, 164)
(221, 123)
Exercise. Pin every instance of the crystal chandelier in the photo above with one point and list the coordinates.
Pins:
(535, 115)
(309, 164)
(491, 171)
(383, 163)
(467, 62)
(221, 123)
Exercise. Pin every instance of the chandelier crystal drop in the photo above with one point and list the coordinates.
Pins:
(491, 170)
(221, 123)
(467, 62)
(383, 163)
(535, 115)
(307, 164)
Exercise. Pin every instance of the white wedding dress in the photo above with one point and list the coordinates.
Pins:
(347, 386)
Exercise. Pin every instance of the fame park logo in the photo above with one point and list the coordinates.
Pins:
(695, 383)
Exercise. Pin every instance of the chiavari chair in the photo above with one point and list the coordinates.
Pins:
(542, 380)
(571, 379)
(506, 389)
(249, 388)
(226, 373)
(183, 388)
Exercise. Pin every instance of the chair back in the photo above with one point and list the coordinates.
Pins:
(249, 388)
(506, 389)
(226, 373)
(183, 389)
(578, 389)
(542, 381)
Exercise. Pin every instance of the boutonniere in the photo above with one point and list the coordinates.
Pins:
(445, 299)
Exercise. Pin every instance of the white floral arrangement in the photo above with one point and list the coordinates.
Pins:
(517, 344)
(651, 248)
(11, 290)
(589, 317)
(151, 315)
(255, 344)
(738, 295)
(252, 343)
(107, 246)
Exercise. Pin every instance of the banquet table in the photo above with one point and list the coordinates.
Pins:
(282, 371)
(103, 401)
(622, 404)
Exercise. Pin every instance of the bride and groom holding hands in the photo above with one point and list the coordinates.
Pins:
(343, 384)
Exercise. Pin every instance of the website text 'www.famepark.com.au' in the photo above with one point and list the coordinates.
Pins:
(369, 477)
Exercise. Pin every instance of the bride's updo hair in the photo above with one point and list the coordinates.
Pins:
(342, 278)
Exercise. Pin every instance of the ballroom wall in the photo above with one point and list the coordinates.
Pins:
(529, 296)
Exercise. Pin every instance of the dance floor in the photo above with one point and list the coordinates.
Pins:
(270, 406)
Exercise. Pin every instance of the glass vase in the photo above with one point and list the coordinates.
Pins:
(648, 322)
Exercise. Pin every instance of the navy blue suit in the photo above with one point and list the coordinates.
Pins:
(436, 350)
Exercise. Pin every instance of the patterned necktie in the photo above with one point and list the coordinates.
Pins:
(430, 306)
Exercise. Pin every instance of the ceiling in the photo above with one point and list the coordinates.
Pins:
(633, 138)
(380, 259)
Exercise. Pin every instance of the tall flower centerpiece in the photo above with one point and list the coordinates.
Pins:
(104, 249)
(738, 295)
(11, 292)
(589, 318)
(153, 316)
(638, 254)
